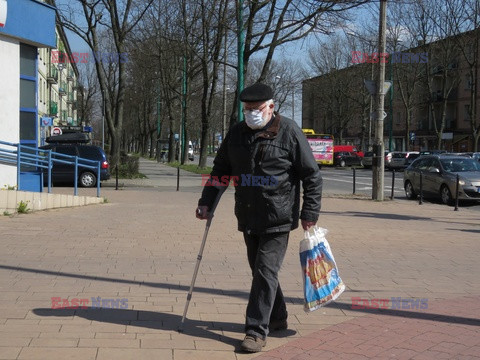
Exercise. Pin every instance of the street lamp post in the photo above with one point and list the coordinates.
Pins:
(103, 121)
(390, 129)
(184, 109)
(224, 122)
(293, 103)
(158, 125)
(60, 99)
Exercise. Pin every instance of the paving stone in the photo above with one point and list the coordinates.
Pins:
(143, 246)
(48, 353)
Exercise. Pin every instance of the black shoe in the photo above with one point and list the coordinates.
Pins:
(252, 343)
(276, 325)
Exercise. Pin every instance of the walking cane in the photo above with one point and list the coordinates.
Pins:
(199, 257)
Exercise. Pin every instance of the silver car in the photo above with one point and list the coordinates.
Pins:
(397, 160)
(439, 177)
(367, 159)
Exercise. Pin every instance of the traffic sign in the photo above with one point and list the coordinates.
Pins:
(46, 121)
(412, 136)
(373, 115)
(372, 86)
(56, 131)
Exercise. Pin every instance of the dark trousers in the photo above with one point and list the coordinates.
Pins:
(266, 303)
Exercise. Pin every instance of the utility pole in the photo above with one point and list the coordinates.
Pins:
(378, 148)
(390, 127)
(184, 111)
(159, 148)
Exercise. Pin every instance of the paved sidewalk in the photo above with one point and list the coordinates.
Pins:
(142, 246)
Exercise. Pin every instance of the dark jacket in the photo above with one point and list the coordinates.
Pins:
(266, 167)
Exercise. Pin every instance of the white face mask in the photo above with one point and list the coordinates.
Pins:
(254, 119)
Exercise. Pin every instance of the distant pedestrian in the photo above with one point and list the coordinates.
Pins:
(268, 158)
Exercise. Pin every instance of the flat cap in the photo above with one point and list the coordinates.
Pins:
(256, 92)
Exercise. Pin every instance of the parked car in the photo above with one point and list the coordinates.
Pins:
(388, 159)
(346, 158)
(439, 177)
(432, 152)
(411, 156)
(367, 159)
(64, 173)
(399, 159)
(191, 156)
(473, 155)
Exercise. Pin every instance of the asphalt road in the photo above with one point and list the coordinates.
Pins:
(340, 181)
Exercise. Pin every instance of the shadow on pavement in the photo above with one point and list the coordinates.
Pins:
(467, 230)
(149, 320)
(233, 293)
(173, 321)
(420, 314)
(378, 215)
(387, 216)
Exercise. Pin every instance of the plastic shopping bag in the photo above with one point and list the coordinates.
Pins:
(321, 281)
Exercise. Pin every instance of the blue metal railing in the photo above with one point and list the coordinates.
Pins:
(30, 156)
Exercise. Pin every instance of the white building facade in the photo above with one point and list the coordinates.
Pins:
(26, 26)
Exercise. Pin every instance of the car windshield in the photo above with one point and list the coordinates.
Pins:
(460, 165)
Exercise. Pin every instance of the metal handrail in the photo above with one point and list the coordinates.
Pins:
(33, 158)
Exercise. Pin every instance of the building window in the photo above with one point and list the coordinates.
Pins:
(28, 125)
(28, 94)
(28, 60)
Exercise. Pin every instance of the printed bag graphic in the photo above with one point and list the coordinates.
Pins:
(321, 281)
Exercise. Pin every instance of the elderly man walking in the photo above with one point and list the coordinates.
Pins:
(268, 159)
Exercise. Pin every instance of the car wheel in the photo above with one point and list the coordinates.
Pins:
(342, 163)
(446, 195)
(88, 179)
(409, 192)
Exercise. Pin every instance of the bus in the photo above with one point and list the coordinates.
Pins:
(322, 146)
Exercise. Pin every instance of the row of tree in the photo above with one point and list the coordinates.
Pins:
(182, 69)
